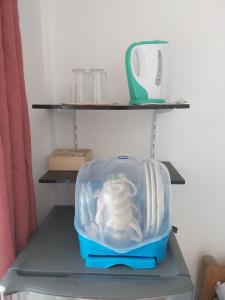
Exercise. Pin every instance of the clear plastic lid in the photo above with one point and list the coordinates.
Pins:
(123, 203)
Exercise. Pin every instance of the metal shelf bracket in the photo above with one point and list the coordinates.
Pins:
(75, 130)
(154, 127)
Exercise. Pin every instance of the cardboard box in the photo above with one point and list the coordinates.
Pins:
(68, 159)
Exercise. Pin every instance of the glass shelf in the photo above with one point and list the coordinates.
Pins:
(71, 176)
(171, 105)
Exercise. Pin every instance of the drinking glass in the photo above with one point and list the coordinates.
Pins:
(79, 86)
(98, 86)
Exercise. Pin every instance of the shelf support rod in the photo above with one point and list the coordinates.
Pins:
(75, 130)
(75, 127)
(154, 127)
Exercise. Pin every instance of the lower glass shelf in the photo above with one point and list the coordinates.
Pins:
(71, 176)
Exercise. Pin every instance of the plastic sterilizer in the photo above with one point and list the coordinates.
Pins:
(122, 213)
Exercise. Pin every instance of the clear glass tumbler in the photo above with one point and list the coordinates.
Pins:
(79, 86)
(98, 86)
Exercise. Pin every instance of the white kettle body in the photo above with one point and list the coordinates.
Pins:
(147, 79)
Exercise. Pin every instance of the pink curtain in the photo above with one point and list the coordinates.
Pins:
(17, 201)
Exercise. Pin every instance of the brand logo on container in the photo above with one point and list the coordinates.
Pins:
(123, 157)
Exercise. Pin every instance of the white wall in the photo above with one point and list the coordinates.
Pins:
(35, 88)
(38, 91)
(90, 34)
(195, 140)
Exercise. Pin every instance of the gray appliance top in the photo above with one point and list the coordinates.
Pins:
(51, 264)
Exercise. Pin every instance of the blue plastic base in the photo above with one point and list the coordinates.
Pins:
(145, 257)
(147, 101)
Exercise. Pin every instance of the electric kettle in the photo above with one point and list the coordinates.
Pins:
(146, 66)
(122, 212)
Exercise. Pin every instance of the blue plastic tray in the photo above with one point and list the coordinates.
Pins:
(145, 257)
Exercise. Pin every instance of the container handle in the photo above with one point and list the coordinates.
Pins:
(134, 262)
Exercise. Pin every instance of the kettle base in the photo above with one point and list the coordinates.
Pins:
(146, 101)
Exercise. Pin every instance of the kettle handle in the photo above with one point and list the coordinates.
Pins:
(141, 61)
(135, 87)
(134, 50)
